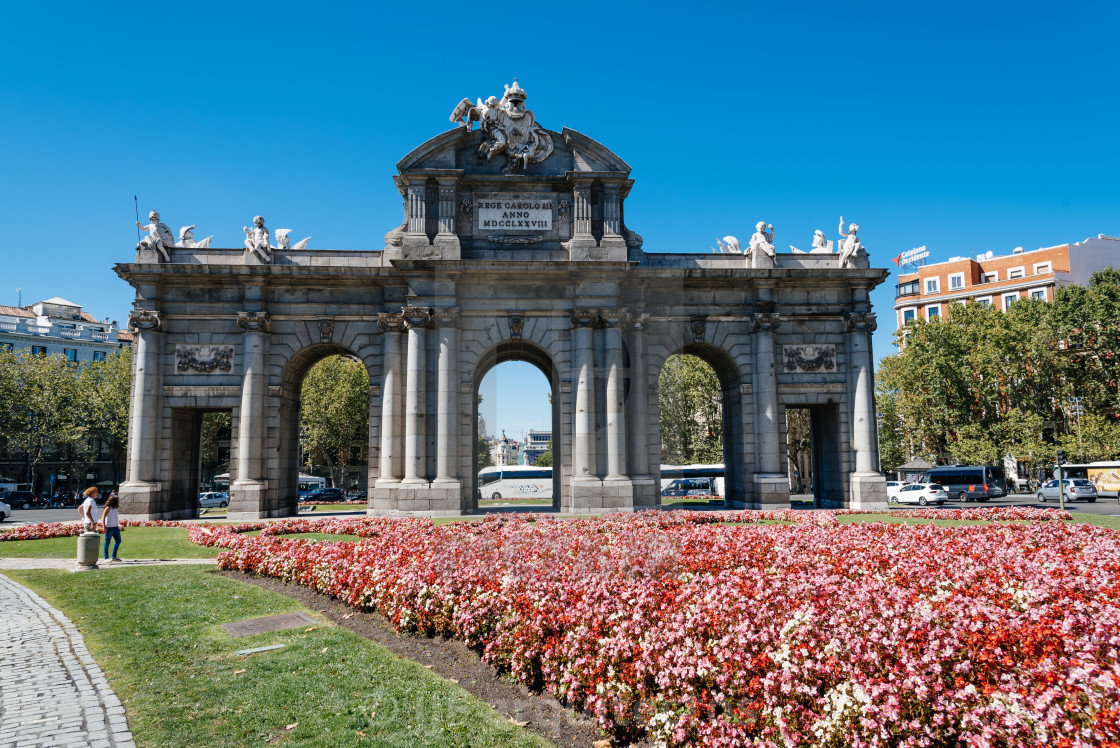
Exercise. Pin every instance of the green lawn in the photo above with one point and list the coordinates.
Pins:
(136, 542)
(157, 634)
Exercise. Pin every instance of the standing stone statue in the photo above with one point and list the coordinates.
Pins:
(257, 239)
(852, 253)
(760, 251)
(159, 237)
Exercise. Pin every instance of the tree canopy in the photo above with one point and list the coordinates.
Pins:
(691, 408)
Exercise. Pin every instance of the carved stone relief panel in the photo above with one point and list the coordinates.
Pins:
(204, 359)
(809, 358)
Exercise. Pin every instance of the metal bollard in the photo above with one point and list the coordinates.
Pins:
(88, 544)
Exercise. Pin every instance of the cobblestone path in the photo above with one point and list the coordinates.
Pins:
(53, 693)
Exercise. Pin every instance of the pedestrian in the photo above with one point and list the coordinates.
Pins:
(88, 507)
(111, 524)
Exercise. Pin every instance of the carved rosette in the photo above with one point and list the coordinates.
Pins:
(860, 321)
(417, 316)
(326, 329)
(809, 358)
(204, 359)
(585, 317)
(516, 324)
(389, 322)
(254, 321)
(699, 327)
(767, 321)
(144, 320)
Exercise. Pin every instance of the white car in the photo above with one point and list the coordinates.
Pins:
(918, 493)
(213, 498)
(5, 511)
(1076, 488)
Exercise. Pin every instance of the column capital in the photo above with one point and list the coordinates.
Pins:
(637, 320)
(446, 316)
(145, 320)
(585, 317)
(860, 321)
(389, 322)
(254, 321)
(766, 321)
(615, 317)
(417, 316)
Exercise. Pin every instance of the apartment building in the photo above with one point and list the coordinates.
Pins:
(60, 326)
(1001, 280)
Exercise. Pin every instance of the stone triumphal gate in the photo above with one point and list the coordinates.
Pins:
(514, 246)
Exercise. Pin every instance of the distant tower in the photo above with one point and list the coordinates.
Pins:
(482, 427)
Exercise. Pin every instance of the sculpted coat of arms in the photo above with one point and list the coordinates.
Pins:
(510, 129)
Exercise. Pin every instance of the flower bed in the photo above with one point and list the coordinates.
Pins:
(700, 633)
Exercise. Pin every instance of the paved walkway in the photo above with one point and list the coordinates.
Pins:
(53, 693)
(71, 564)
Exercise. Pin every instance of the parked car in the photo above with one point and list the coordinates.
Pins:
(325, 494)
(1075, 488)
(355, 495)
(213, 498)
(5, 511)
(24, 500)
(918, 493)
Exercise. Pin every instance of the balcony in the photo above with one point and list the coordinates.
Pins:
(913, 288)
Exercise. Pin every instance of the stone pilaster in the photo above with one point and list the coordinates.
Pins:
(868, 486)
(247, 489)
(771, 484)
(644, 468)
(612, 241)
(447, 415)
(416, 231)
(139, 494)
(391, 326)
(417, 320)
(447, 239)
(582, 242)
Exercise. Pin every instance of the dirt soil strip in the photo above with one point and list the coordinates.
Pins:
(455, 661)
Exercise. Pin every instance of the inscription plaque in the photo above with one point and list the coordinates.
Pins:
(514, 211)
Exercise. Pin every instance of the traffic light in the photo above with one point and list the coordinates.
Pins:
(1061, 457)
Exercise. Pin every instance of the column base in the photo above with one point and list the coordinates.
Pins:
(868, 491)
(771, 488)
(141, 501)
(247, 500)
(417, 499)
(593, 496)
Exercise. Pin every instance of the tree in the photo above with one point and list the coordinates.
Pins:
(334, 412)
(892, 452)
(691, 409)
(544, 459)
(485, 459)
(103, 397)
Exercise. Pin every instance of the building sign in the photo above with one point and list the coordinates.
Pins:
(912, 256)
(496, 211)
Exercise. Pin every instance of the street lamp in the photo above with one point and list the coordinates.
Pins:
(1076, 410)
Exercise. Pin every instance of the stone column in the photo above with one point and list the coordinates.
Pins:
(417, 320)
(447, 415)
(583, 430)
(616, 395)
(638, 418)
(868, 486)
(771, 484)
(139, 493)
(247, 490)
(391, 431)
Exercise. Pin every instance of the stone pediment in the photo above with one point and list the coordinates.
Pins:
(457, 149)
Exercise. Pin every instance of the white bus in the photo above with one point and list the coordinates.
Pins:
(1104, 475)
(307, 484)
(692, 480)
(515, 482)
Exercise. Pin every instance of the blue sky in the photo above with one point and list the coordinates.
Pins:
(963, 126)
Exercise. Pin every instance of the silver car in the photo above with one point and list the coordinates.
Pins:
(5, 511)
(213, 498)
(1075, 488)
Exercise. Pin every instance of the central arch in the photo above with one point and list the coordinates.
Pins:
(530, 353)
(290, 394)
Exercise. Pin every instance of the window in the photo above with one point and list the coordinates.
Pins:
(71, 354)
(1009, 299)
(99, 355)
(908, 315)
(990, 277)
(933, 312)
(1041, 267)
(933, 285)
(1038, 293)
(1014, 273)
(38, 350)
(985, 301)
(956, 281)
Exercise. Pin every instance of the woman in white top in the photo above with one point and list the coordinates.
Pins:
(112, 525)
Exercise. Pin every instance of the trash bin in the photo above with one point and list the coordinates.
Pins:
(88, 543)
